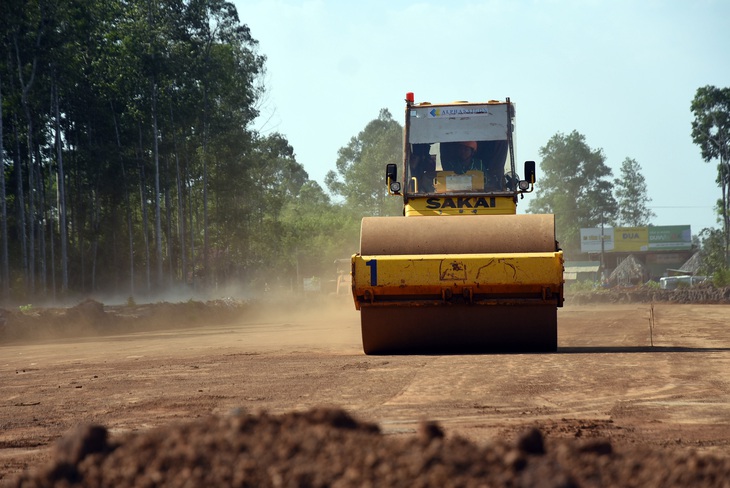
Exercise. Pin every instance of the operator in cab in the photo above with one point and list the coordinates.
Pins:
(461, 157)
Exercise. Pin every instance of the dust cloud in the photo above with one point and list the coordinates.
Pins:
(312, 321)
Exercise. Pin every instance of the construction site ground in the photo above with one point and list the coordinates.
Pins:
(280, 394)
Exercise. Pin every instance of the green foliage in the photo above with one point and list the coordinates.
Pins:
(575, 186)
(721, 278)
(582, 286)
(162, 169)
(151, 97)
(631, 196)
(316, 233)
(711, 125)
(714, 256)
(652, 285)
(26, 308)
(711, 132)
(361, 168)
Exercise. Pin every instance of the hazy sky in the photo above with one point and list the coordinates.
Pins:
(621, 72)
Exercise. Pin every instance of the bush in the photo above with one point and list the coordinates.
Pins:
(652, 285)
(721, 278)
(579, 286)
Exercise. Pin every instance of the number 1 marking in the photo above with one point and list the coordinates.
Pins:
(373, 271)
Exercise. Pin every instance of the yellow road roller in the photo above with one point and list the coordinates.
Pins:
(461, 272)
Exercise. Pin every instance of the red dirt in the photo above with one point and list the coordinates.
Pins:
(154, 398)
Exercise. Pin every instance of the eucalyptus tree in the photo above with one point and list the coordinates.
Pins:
(4, 257)
(4, 245)
(275, 179)
(24, 27)
(227, 65)
(632, 196)
(96, 97)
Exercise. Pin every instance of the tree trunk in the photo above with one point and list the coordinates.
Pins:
(62, 227)
(53, 258)
(24, 89)
(206, 249)
(95, 226)
(143, 196)
(76, 214)
(126, 202)
(20, 205)
(180, 203)
(171, 261)
(192, 230)
(158, 220)
(4, 258)
(31, 202)
(41, 228)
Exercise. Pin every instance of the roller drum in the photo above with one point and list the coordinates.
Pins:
(401, 328)
(473, 234)
(459, 329)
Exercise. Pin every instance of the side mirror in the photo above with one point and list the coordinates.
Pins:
(526, 184)
(530, 171)
(391, 179)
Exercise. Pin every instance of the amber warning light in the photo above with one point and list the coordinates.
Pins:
(409, 97)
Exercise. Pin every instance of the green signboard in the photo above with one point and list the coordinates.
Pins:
(670, 238)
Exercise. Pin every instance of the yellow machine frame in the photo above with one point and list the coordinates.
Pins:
(486, 272)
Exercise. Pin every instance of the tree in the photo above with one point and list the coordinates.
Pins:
(108, 103)
(317, 232)
(711, 131)
(361, 167)
(574, 186)
(631, 196)
(714, 257)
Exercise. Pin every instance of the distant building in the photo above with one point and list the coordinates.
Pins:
(656, 250)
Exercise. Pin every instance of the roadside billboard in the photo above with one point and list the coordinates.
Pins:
(636, 239)
(631, 239)
(590, 239)
(670, 238)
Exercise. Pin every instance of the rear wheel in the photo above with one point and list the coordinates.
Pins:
(459, 329)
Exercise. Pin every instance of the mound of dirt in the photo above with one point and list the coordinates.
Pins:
(327, 447)
(94, 318)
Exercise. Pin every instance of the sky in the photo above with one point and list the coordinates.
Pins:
(621, 72)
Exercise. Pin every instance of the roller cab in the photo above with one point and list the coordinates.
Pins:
(460, 272)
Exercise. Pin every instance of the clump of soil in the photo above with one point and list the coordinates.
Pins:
(327, 447)
(94, 318)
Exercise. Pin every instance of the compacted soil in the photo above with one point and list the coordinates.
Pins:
(224, 394)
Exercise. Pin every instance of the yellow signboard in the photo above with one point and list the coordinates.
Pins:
(630, 239)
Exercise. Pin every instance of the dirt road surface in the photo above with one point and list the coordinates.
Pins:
(638, 375)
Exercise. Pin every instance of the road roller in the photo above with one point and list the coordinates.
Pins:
(460, 271)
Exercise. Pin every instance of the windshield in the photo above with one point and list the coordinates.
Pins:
(459, 150)
(441, 167)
